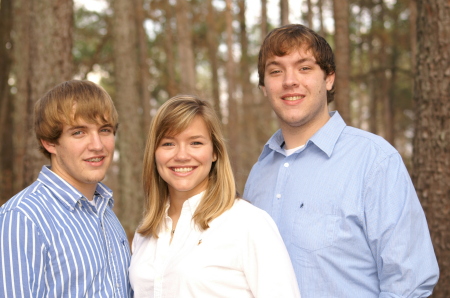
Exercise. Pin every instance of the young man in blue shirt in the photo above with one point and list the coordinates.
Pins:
(59, 237)
(341, 197)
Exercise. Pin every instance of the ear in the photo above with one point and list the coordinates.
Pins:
(50, 147)
(214, 157)
(329, 80)
(263, 88)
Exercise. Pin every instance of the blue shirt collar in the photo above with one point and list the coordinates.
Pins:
(66, 193)
(325, 138)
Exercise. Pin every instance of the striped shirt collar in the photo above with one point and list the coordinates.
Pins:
(68, 195)
(325, 138)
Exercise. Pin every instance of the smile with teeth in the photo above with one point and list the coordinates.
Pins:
(95, 159)
(292, 98)
(183, 170)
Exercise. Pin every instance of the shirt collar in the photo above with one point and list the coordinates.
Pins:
(190, 204)
(66, 193)
(325, 138)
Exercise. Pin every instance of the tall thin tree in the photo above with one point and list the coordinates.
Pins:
(431, 159)
(6, 148)
(342, 51)
(129, 104)
(185, 49)
(43, 58)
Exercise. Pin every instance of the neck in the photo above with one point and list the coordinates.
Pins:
(88, 193)
(295, 136)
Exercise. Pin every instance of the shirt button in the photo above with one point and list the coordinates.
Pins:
(278, 196)
(286, 164)
(117, 285)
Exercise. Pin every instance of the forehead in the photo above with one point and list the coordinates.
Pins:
(295, 56)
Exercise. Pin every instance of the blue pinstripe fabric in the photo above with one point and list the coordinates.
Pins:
(348, 214)
(53, 243)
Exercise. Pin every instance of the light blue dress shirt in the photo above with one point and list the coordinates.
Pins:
(54, 243)
(348, 214)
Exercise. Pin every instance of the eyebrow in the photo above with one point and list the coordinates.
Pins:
(302, 60)
(75, 127)
(190, 138)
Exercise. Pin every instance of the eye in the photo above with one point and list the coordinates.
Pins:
(77, 133)
(107, 130)
(166, 144)
(197, 143)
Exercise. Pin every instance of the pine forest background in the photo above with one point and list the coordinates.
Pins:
(393, 79)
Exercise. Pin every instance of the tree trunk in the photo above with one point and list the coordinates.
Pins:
(43, 59)
(129, 201)
(212, 56)
(431, 159)
(248, 138)
(264, 25)
(284, 12)
(169, 41)
(6, 149)
(144, 73)
(322, 26)
(342, 53)
(309, 14)
(233, 117)
(264, 111)
(185, 49)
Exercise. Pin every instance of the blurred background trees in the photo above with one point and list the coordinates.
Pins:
(393, 79)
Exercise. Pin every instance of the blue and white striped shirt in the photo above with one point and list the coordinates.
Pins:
(348, 213)
(53, 243)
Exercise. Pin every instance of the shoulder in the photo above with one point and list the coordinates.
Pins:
(362, 138)
(249, 215)
(25, 199)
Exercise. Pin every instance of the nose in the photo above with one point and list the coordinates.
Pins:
(96, 143)
(182, 153)
(290, 79)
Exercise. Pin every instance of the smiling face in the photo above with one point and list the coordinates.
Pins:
(82, 154)
(297, 89)
(184, 161)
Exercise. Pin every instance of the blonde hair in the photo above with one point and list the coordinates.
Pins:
(65, 104)
(172, 118)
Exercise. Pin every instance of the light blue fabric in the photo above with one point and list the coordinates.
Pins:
(53, 243)
(348, 214)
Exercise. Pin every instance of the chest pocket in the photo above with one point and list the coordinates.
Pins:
(315, 227)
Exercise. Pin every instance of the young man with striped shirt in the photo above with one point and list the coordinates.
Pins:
(59, 237)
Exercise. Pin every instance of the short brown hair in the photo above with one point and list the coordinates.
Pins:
(68, 102)
(283, 40)
(172, 118)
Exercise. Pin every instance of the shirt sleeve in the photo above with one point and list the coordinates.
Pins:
(22, 259)
(397, 232)
(266, 262)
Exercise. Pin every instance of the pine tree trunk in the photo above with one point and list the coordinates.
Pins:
(6, 148)
(431, 159)
(212, 56)
(284, 12)
(233, 109)
(129, 200)
(185, 49)
(43, 59)
(342, 53)
(248, 137)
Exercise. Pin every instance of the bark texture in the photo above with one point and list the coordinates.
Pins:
(43, 58)
(129, 200)
(431, 159)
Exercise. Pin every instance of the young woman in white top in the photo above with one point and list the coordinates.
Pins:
(197, 239)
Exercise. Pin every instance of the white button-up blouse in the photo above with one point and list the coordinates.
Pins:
(240, 255)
